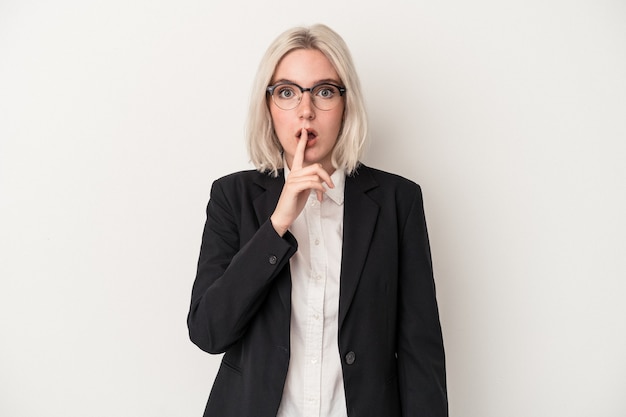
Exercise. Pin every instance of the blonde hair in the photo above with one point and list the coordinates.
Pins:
(263, 146)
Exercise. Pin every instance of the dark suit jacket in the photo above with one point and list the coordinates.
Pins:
(389, 333)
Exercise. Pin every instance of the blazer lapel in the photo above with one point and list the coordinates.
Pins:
(265, 202)
(264, 206)
(359, 221)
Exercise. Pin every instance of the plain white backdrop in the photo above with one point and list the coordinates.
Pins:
(116, 116)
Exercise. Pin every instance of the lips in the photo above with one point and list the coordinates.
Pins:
(311, 134)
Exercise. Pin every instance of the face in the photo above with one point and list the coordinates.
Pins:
(307, 67)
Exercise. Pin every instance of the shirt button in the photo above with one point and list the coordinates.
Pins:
(350, 358)
(272, 259)
(317, 242)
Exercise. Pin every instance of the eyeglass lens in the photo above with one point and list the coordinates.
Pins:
(288, 96)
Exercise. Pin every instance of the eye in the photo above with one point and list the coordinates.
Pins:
(286, 93)
(325, 91)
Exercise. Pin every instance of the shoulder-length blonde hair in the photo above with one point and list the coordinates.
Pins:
(263, 145)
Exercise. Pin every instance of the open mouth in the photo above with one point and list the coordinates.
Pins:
(311, 134)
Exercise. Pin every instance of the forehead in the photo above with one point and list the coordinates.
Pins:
(305, 66)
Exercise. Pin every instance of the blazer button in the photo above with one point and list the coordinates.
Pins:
(350, 358)
(273, 259)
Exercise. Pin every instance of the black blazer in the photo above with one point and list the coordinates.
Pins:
(389, 333)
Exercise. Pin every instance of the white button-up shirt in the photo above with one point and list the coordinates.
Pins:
(314, 386)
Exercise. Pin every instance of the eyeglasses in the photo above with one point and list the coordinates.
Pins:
(287, 95)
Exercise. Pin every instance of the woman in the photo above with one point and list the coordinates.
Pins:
(314, 275)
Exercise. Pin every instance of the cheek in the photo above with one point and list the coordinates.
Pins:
(338, 120)
(280, 129)
(279, 122)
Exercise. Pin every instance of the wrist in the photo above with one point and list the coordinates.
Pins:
(280, 229)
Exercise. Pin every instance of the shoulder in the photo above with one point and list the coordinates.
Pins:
(245, 180)
(387, 181)
(395, 195)
(249, 175)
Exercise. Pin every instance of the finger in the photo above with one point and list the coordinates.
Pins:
(298, 158)
(317, 170)
(324, 176)
(299, 185)
(327, 178)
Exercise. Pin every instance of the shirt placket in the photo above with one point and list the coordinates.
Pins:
(315, 314)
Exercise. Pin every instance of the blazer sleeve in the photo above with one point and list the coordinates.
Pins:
(233, 277)
(421, 362)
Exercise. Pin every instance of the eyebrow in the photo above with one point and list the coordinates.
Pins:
(325, 80)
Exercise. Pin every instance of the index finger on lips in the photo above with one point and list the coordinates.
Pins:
(298, 158)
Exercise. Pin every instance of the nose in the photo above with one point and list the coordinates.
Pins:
(306, 109)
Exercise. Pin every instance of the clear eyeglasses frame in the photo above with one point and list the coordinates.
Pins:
(287, 95)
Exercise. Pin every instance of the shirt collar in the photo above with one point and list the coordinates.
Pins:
(339, 179)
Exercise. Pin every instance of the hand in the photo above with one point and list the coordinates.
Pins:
(297, 188)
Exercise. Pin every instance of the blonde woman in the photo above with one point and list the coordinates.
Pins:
(315, 276)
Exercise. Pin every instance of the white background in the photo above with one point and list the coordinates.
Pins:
(116, 116)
